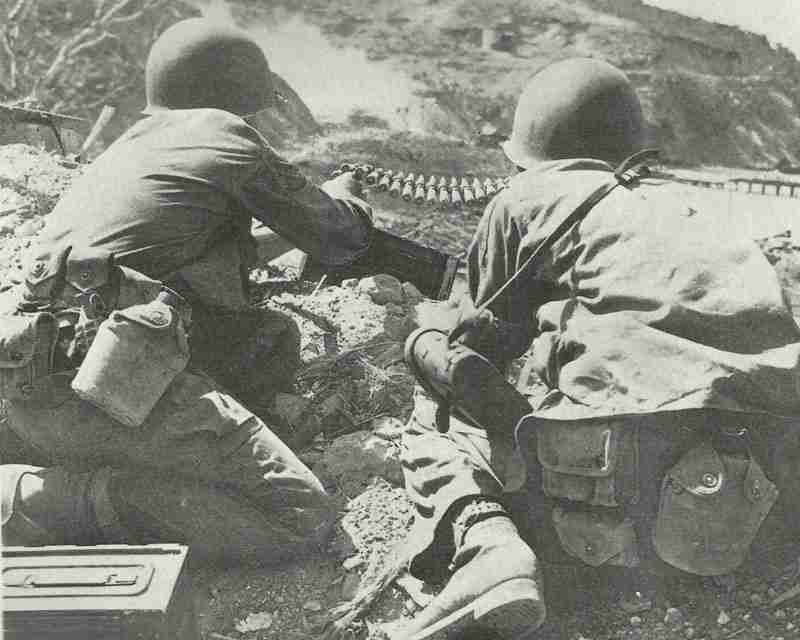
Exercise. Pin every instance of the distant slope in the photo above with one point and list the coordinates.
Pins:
(713, 94)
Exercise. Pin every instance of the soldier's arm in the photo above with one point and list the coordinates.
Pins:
(329, 222)
(503, 331)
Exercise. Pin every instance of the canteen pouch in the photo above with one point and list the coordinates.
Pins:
(590, 461)
(597, 535)
(27, 346)
(137, 353)
(711, 507)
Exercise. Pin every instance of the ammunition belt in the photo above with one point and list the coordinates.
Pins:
(443, 191)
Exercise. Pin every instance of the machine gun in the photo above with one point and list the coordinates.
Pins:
(432, 272)
(25, 115)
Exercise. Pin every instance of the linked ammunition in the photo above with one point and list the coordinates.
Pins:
(457, 191)
(480, 194)
(469, 198)
(397, 184)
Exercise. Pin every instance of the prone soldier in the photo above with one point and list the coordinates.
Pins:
(671, 425)
(143, 266)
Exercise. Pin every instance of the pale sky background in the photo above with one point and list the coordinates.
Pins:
(779, 20)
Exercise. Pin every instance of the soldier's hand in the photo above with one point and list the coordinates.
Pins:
(85, 333)
(344, 186)
(473, 326)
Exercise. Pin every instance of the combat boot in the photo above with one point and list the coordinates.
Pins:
(494, 590)
(43, 506)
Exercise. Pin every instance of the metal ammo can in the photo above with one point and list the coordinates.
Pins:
(100, 592)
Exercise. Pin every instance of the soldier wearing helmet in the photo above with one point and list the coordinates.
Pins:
(169, 206)
(671, 364)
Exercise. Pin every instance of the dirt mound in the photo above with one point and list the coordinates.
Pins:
(31, 181)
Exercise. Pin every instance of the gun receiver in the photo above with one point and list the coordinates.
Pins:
(432, 272)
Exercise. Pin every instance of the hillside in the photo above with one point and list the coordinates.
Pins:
(712, 94)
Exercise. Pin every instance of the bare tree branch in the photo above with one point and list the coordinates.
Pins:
(12, 62)
(89, 44)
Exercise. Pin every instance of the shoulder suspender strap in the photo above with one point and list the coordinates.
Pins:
(629, 171)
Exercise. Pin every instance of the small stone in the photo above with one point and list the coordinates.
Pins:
(756, 598)
(635, 602)
(689, 633)
(790, 626)
(387, 428)
(28, 228)
(412, 294)
(350, 283)
(312, 605)
(636, 621)
(723, 618)
(382, 288)
(673, 616)
(772, 593)
(350, 585)
(255, 622)
(353, 562)
(9, 223)
(779, 613)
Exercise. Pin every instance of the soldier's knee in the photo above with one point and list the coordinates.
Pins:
(54, 506)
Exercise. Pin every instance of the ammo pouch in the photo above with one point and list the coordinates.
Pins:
(597, 535)
(590, 467)
(590, 461)
(710, 509)
(137, 353)
(27, 346)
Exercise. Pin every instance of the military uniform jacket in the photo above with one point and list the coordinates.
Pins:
(175, 196)
(655, 302)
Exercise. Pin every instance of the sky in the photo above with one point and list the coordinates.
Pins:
(779, 20)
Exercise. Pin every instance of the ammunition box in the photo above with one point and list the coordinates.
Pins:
(101, 592)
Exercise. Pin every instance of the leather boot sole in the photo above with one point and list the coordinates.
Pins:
(512, 610)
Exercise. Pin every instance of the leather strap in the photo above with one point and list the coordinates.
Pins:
(630, 170)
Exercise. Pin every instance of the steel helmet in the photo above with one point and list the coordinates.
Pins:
(576, 108)
(198, 63)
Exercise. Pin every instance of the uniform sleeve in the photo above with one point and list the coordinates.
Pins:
(333, 230)
(491, 259)
(502, 243)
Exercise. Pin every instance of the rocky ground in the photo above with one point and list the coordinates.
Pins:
(356, 394)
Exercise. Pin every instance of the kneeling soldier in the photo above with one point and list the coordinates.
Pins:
(670, 356)
(143, 265)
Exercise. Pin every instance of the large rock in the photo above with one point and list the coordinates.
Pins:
(383, 289)
(354, 460)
